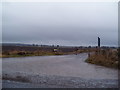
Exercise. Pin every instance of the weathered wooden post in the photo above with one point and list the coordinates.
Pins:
(98, 45)
(98, 42)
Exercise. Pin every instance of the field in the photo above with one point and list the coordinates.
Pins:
(20, 51)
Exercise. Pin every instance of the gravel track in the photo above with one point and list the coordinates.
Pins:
(44, 81)
(67, 71)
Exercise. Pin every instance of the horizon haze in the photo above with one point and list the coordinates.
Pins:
(64, 23)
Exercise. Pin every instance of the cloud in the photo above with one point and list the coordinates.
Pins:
(60, 23)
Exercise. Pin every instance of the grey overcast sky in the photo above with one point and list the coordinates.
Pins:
(60, 23)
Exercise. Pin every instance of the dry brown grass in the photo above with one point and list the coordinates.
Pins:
(28, 53)
(108, 58)
(21, 51)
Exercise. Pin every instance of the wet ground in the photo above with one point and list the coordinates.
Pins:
(61, 66)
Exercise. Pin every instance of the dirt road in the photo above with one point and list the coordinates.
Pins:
(62, 67)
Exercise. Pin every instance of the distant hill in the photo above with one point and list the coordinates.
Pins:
(15, 44)
(20, 44)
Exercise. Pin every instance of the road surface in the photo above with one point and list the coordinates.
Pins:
(66, 68)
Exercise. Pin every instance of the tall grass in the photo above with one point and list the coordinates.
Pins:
(104, 57)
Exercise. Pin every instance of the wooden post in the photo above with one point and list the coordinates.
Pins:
(98, 45)
(98, 42)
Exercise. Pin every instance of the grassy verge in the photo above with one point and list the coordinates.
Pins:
(25, 55)
(18, 53)
(107, 58)
(23, 51)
